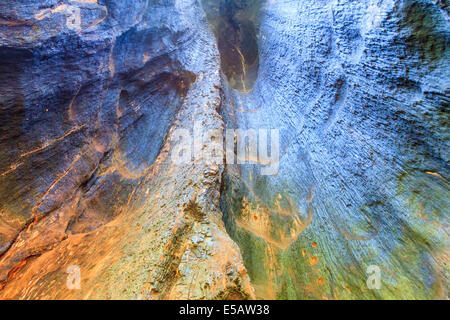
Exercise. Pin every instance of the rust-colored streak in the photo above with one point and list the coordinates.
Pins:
(14, 271)
(35, 218)
(46, 13)
(436, 175)
(46, 144)
(244, 69)
(56, 182)
(11, 169)
(50, 142)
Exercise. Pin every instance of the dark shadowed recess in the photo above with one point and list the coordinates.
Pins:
(234, 24)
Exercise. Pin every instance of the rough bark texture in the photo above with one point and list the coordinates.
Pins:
(88, 123)
(360, 93)
(88, 181)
